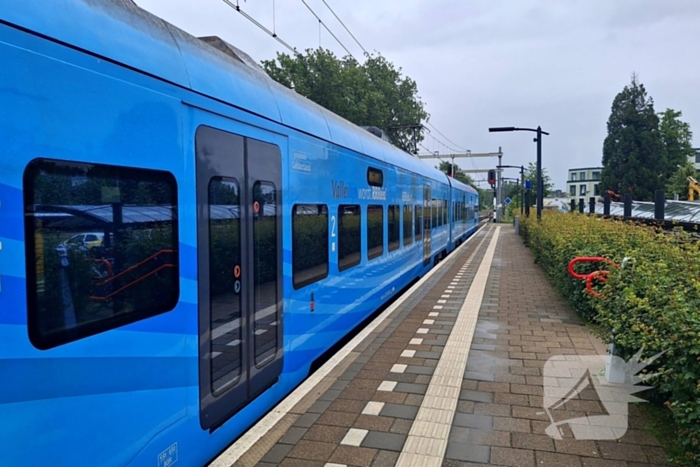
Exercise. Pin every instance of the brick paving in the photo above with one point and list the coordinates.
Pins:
(366, 408)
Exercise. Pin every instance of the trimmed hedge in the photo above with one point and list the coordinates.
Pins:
(653, 302)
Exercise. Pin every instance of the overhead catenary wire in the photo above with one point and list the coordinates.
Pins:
(448, 139)
(346, 28)
(327, 29)
(255, 22)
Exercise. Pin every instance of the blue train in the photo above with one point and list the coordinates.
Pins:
(181, 237)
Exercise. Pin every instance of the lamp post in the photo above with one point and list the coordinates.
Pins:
(538, 140)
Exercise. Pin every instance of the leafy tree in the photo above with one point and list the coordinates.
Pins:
(446, 167)
(634, 156)
(678, 183)
(531, 174)
(677, 139)
(373, 93)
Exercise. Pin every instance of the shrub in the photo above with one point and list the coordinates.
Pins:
(653, 302)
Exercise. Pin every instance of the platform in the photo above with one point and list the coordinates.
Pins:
(450, 375)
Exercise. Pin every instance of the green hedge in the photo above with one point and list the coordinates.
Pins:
(653, 302)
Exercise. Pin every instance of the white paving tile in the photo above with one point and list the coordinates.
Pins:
(433, 314)
(422, 331)
(416, 341)
(373, 408)
(387, 386)
(437, 307)
(408, 353)
(428, 321)
(442, 301)
(331, 464)
(398, 368)
(354, 437)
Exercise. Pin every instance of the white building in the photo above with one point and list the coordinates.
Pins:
(695, 160)
(583, 183)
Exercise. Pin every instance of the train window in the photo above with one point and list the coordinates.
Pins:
(224, 254)
(375, 177)
(266, 318)
(394, 227)
(375, 231)
(407, 224)
(309, 243)
(433, 214)
(419, 223)
(101, 248)
(349, 236)
(444, 211)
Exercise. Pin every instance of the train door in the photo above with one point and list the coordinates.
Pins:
(239, 241)
(427, 215)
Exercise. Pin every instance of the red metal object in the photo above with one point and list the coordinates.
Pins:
(600, 275)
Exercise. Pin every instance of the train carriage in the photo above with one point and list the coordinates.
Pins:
(181, 237)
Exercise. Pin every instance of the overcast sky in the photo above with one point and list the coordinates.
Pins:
(482, 63)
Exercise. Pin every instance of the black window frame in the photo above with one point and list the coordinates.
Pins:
(350, 264)
(377, 172)
(418, 222)
(318, 277)
(65, 336)
(396, 230)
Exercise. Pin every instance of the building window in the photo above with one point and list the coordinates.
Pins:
(582, 190)
(309, 243)
(407, 224)
(101, 248)
(697, 158)
(349, 236)
(394, 229)
(573, 176)
(582, 176)
(572, 190)
(596, 190)
(375, 231)
(596, 175)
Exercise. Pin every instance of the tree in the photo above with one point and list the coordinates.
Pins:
(677, 140)
(446, 167)
(531, 174)
(634, 157)
(678, 182)
(374, 93)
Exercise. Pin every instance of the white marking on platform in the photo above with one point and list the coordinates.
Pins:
(427, 441)
(416, 341)
(445, 296)
(398, 368)
(331, 464)
(408, 353)
(354, 437)
(234, 452)
(422, 331)
(373, 408)
(387, 386)
(442, 301)
(428, 321)
(433, 313)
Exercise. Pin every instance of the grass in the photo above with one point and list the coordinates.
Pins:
(661, 424)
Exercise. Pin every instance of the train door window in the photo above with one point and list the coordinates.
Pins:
(225, 302)
(464, 208)
(101, 248)
(309, 243)
(407, 224)
(266, 317)
(375, 231)
(419, 222)
(433, 214)
(454, 210)
(394, 229)
(349, 236)
(438, 209)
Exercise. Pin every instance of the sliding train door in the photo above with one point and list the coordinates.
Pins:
(239, 243)
(427, 216)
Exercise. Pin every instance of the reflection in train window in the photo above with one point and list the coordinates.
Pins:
(419, 223)
(265, 271)
(101, 248)
(394, 229)
(224, 283)
(349, 236)
(375, 231)
(407, 224)
(309, 243)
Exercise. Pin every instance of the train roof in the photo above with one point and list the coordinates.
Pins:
(122, 32)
